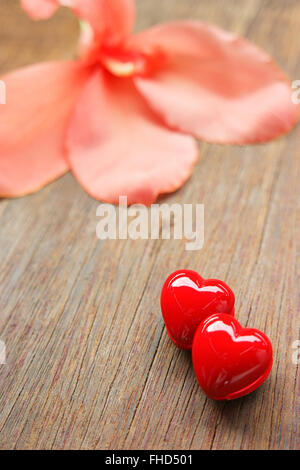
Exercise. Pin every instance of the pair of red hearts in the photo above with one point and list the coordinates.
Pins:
(229, 360)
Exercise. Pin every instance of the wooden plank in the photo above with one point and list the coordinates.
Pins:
(89, 363)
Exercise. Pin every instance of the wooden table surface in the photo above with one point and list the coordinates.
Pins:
(89, 364)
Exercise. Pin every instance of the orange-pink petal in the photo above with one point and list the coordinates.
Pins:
(40, 9)
(216, 85)
(39, 100)
(113, 19)
(117, 147)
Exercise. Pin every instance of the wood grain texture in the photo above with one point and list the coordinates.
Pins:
(89, 364)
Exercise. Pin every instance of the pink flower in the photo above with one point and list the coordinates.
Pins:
(123, 117)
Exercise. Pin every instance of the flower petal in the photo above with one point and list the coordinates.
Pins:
(33, 121)
(216, 85)
(117, 147)
(40, 9)
(113, 19)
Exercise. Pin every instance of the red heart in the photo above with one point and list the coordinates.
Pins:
(187, 299)
(230, 361)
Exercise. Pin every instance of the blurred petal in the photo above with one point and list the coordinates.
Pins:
(40, 9)
(117, 146)
(111, 19)
(33, 122)
(216, 86)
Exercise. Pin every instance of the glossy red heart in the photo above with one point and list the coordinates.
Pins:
(187, 299)
(230, 361)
